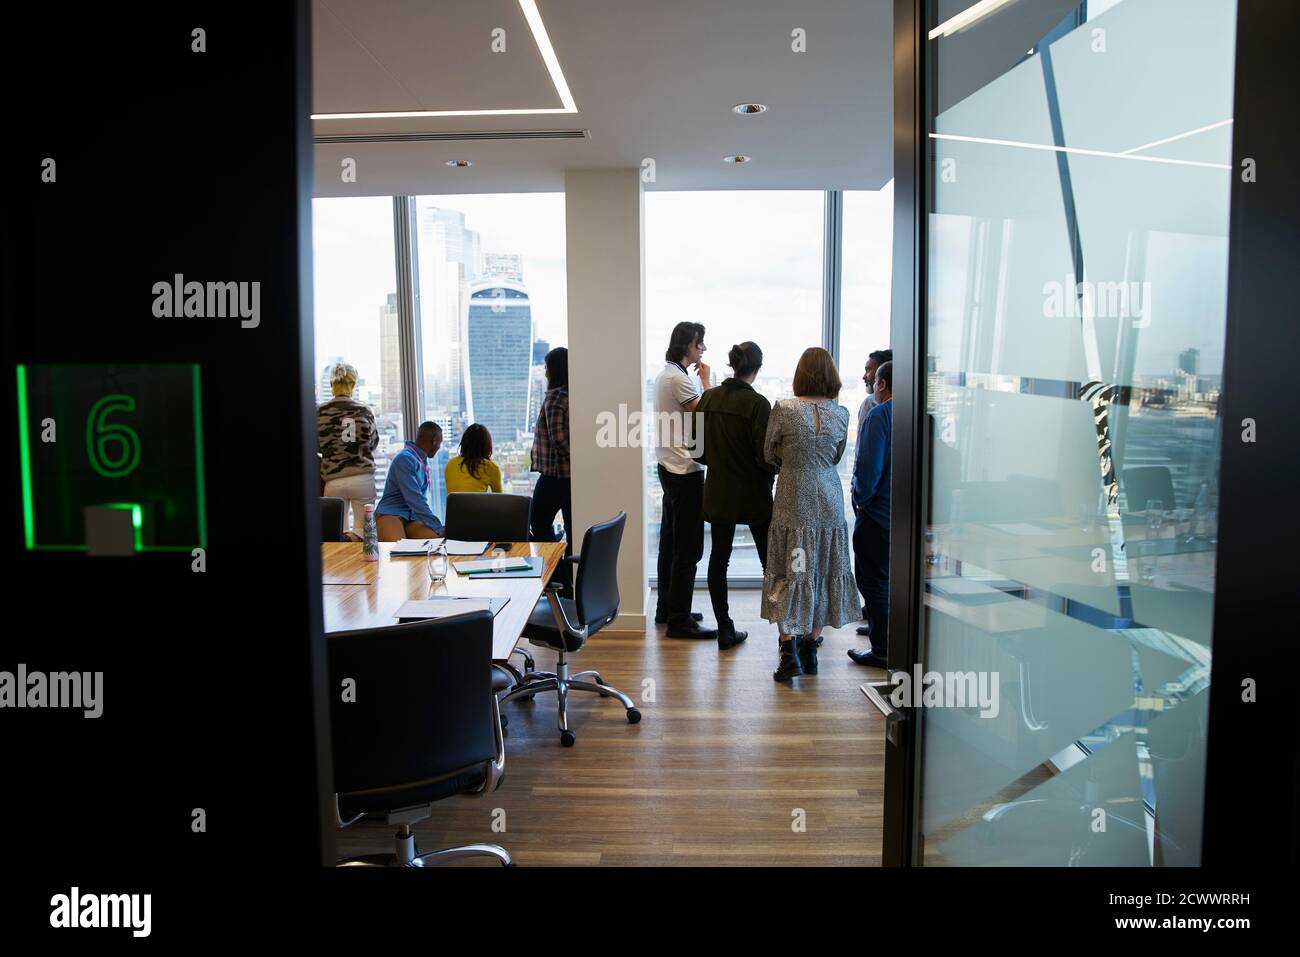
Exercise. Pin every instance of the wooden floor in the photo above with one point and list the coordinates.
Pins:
(715, 774)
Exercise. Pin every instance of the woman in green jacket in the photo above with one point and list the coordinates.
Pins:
(738, 483)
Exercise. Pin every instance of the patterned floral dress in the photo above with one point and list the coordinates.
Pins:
(809, 578)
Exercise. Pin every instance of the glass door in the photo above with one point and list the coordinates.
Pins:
(1074, 281)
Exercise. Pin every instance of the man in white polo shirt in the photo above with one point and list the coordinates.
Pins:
(681, 530)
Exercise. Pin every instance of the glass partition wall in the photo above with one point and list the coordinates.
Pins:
(1076, 260)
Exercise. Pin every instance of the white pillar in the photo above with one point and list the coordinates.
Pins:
(604, 226)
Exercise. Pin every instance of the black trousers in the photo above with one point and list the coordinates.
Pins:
(871, 569)
(681, 543)
(553, 495)
(724, 534)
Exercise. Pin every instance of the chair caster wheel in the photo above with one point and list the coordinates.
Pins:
(567, 738)
(633, 716)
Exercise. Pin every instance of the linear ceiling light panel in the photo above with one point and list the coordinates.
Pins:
(543, 41)
(968, 17)
(449, 136)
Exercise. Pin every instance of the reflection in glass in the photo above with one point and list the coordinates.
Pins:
(1077, 271)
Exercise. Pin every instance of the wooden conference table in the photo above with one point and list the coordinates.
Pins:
(361, 594)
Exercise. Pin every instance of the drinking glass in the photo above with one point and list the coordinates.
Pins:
(1147, 569)
(438, 562)
(1155, 516)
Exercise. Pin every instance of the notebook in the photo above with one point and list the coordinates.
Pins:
(446, 606)
(497, 565)
(534, 570)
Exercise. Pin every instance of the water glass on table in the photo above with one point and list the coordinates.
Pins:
(1155, 517)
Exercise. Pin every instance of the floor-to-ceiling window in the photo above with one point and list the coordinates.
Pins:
(866, 258)
(490, 283)
(1079, 163)
(748, 265)
(355, 300)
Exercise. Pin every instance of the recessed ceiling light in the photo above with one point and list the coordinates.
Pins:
(737, 158)
(460, 164)
(747, 109)
(544, 47)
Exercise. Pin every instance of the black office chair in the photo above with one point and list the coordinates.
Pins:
(565, 626)
(1147, 483)
(414, 721)
(487, 517)
(332, 511)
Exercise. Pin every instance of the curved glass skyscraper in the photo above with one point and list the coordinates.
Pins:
(499, 336)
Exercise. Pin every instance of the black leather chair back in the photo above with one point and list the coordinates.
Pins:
(423, 702)
(487, 517)
(596, 591)
(332, 512)
(1145, 483)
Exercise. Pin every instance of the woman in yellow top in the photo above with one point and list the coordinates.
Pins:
(473, 470)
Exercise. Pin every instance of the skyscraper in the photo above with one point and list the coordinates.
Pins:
(503, 265)
(540, 348)
(390, 363)
(1188, 360)
(499, 327)
(449, 259)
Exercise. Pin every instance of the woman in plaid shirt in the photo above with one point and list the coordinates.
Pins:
(551, 455)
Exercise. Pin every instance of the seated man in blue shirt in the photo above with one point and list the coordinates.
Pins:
(870, 492)
(404, 511)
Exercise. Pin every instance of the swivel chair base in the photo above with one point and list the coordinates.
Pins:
(559, 681)
(405, 853)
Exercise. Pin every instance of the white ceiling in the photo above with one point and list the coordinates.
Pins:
(651, 78)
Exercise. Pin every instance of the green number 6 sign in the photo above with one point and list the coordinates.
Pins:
(103, 438)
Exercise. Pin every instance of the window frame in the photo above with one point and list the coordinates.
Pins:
(405, 251)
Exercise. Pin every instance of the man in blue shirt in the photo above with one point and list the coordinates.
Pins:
(870, 493)
(404, 511)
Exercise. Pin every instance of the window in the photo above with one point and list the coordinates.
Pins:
(748, 265)
(491, 289)
(355, 298)
(866, 262)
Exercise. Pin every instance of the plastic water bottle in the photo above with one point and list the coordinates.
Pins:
(370, 537)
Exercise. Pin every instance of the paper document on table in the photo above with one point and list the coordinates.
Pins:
(457, 547)
(414, 546)
(419, 546)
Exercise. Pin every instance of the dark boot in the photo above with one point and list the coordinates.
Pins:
(728, 637)
(789, 665)
(807, 651)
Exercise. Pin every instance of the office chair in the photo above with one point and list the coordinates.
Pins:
(1145, 483)
(414, 720)
(487, 517)
(565, 625)
(490, 517)
(332, 512)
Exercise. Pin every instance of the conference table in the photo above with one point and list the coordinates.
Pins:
(362, 594)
